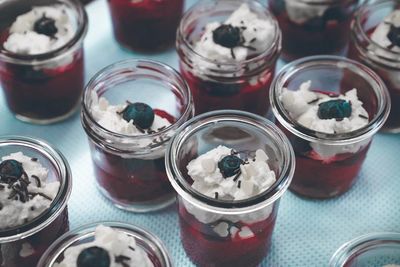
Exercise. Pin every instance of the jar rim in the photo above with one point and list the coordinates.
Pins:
(184, 189)
(61, 244)
(43, 57)
(303, 132)
(60, 201)
(352, 247)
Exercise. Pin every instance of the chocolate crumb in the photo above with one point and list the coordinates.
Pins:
(1, 206)
(38, 183)
(237, 176)
(253, 40)
(313, 101)
(32, 208)
(216, 195)
(363, 117)
(131, 248)
(239, 184)
(2, 187)
(34, 159)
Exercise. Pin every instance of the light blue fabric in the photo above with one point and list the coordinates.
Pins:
(307, 232)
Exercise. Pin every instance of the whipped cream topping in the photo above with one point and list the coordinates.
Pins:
(13, 211)
(300, 12)
(257, 33)
(380, 35)
(23, 38)
(116, 243)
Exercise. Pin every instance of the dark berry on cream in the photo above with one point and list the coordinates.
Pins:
(334, 109)
(227, 36)
(141, 114)
(10, 170)
(230, 165)
(94, 257)
(394, 35)
(46, 26)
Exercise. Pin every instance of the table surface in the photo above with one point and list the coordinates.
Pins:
(307, 232)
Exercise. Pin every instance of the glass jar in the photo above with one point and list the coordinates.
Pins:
(250, 222)
(328, 164)
(130, 170)
(43, 88)
(23, 245)
(145, 25)
(313, 27)
(215, 85)
(385, 62)
(151, 244)
(371, 250)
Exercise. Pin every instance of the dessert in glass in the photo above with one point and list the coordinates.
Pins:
(370, 250)
(41, 58)
(375, 41)
(145, 25)
(130, 111)
(228, 52)
(35, 185)
(330, 108)
(230, 169)
(313, 27)
(107, 244)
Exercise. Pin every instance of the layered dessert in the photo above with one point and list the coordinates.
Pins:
(109, 248)
(325, 170)
(233, 61)
(313, 27)
(25, 194)
(41, 81)
(145, 25)
(212, 239)
(132, 179)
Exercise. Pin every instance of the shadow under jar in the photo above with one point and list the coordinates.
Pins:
(216, 231)
(23, 245)
(145, 25)
(380, 52)
(328, 161)
(232, 66)
(152, 245)
(43, 79)
(313, 27)
(370, 250)
(130, 169)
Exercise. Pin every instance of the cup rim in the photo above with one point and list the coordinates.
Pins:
(255, 203)
(43, 57)
(351, 247)
(305, 133)
(57, 206)
(60, 245)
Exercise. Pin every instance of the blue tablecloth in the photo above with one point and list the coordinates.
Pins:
(307, 232)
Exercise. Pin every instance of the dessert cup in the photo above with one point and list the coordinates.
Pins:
(152, 245)
(145, 25)
(313, 27)
(46, 87)
(384, 61)
(130, 170)
(219, 232)
(327, 163)
(371, 250)
(23, 245)
(234, 84)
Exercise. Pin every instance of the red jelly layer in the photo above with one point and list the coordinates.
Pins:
(145, 25)
(10, 252)
(243, 95)
(45, 93)
(206, 248)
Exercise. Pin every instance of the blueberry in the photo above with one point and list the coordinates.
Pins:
(227, 36)
(46, 26)
(141, 114)
(315, 24)
(11, 168)
(94, 257)
(229, 165)
(334, 109)
(394, 35)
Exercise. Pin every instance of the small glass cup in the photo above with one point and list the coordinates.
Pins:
(383, 61)
(151, 244)
(217, 85)
(145, 25)
(313, 27)
(43, 88)
(24, 245)
(371, 250)
(199, 215)
(328, 164)
(130, 170)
